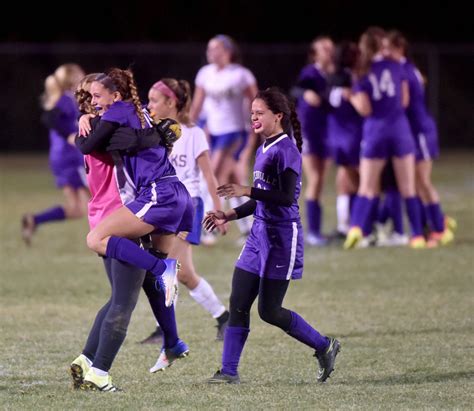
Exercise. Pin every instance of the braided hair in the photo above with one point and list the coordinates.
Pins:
(278, 102)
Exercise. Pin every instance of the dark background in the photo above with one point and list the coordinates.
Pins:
(169, 38)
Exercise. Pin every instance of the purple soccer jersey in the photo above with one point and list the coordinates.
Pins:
(313, 119)
(161, 199)
(386, 132)
(274, 248)
(422, 123)
(66, 161)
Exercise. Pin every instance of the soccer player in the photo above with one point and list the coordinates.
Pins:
(60, 116)
(225, 88)
(116, 96)
(425, 133)
(273, 252)
(381, 95)
(171, 98)
(311, 90)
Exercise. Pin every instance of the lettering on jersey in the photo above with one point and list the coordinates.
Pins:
(260, 175)
(178, 161)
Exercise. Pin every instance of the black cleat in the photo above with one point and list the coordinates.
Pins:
(156, 337)
(220, 378)
(327, 359)
(222, 323)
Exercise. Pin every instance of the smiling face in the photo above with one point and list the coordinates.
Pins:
(264, 121)
(160, 106)
(102, 98)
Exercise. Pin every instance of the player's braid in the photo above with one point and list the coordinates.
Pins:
(84, 99)
(135, 99)
(296, 126)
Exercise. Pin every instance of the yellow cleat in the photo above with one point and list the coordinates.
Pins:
(94, 382)
(450, 223)
(354, 236)
(443, 238)
(417, 242)
(78, 369)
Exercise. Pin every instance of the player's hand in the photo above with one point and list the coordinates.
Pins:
(233, 190)
(169, 131)
(312, 98)
(223, 228)
(213, 220)
(85, 124)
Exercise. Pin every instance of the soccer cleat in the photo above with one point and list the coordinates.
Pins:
(393, 240)
(314, 240)
(168, 281)
(79, 367)
(327, 359)
(450, 222)
(354, 236)
(418, 242)
(28, 228)
(156, 337)
(443, 238)
(94, 382)
(169, 355)
(220, 378)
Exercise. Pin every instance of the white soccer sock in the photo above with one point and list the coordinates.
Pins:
(89, 362)
(244, 224)
(99, 372)
(343, 212)
(204, 295)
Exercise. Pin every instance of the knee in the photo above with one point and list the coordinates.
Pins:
(94, 242)
(267, 314)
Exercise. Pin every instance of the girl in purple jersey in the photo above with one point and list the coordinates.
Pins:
(311, 91)
(60, 116)
(273, 252)
(381, 96)
(425, 134)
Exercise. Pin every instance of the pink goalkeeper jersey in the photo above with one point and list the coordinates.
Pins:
(105, 196)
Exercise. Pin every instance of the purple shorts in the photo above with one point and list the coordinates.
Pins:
(346, 150)
(273, 251)
(166, 205)
(73, 176)
(225, 141)
(194, 236)
(317, 146)
(426, 143)
(386, 139)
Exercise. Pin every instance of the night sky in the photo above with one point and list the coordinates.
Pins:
(247, 21)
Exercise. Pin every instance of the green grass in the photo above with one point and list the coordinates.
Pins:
(404, 318)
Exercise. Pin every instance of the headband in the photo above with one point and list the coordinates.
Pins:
(163, 88)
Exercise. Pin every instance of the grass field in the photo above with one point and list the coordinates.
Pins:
(404, 318)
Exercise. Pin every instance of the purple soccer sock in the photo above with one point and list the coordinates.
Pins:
(423, 213)
(303, 332)
(372, 216)
(167, 320)
(126, 250)
(234, 341)
(362, 212)
(414, 216)
(435, 216)
(51, 214)
(383, 211)
(395, 209)
(314, 215)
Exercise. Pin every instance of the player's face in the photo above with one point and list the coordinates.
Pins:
(323, 50)
(216, 52)
(159, 105)
(102, 98)
(264, 121)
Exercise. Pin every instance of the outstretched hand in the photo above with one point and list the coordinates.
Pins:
(215, 219)
(85, 124)
(231, 190)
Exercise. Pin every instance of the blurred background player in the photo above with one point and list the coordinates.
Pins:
(425, 134)
(66, 162)
(381, 96)
(273, 252)
(311, 91)
(171, 98)
(224, 87)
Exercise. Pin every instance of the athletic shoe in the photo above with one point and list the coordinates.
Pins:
(443, 238)
(354, 236)
(316, 240)
(220, 378)
(168, 281)
(417, 242)
(393, 240)
(156, 337)
(327, 359)
(28, 228)
(450, 222)
(79, 367)
(94, 382)
(169, 355)
(208, 239)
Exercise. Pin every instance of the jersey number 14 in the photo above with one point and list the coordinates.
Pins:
(383, 86)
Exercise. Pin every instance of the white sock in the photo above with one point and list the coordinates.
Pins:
(204, 295)
(244, 224)
(99, 372)
(89, 362)
(343, 212)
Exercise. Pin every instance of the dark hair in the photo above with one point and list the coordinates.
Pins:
(182, 91)
(312, 51)
(123, 82)
(230, 45)
(372, 40)
(278, 102)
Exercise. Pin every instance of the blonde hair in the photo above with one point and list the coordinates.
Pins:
(182, 91)
(52, 93)
(83, 95)
(68, 76)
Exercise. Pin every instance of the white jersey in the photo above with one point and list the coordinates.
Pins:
(224, 99)
(186, 150)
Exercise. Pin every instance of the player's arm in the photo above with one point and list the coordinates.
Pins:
(98, 138)
(360, 101)
(284, 196)
(197, 103)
